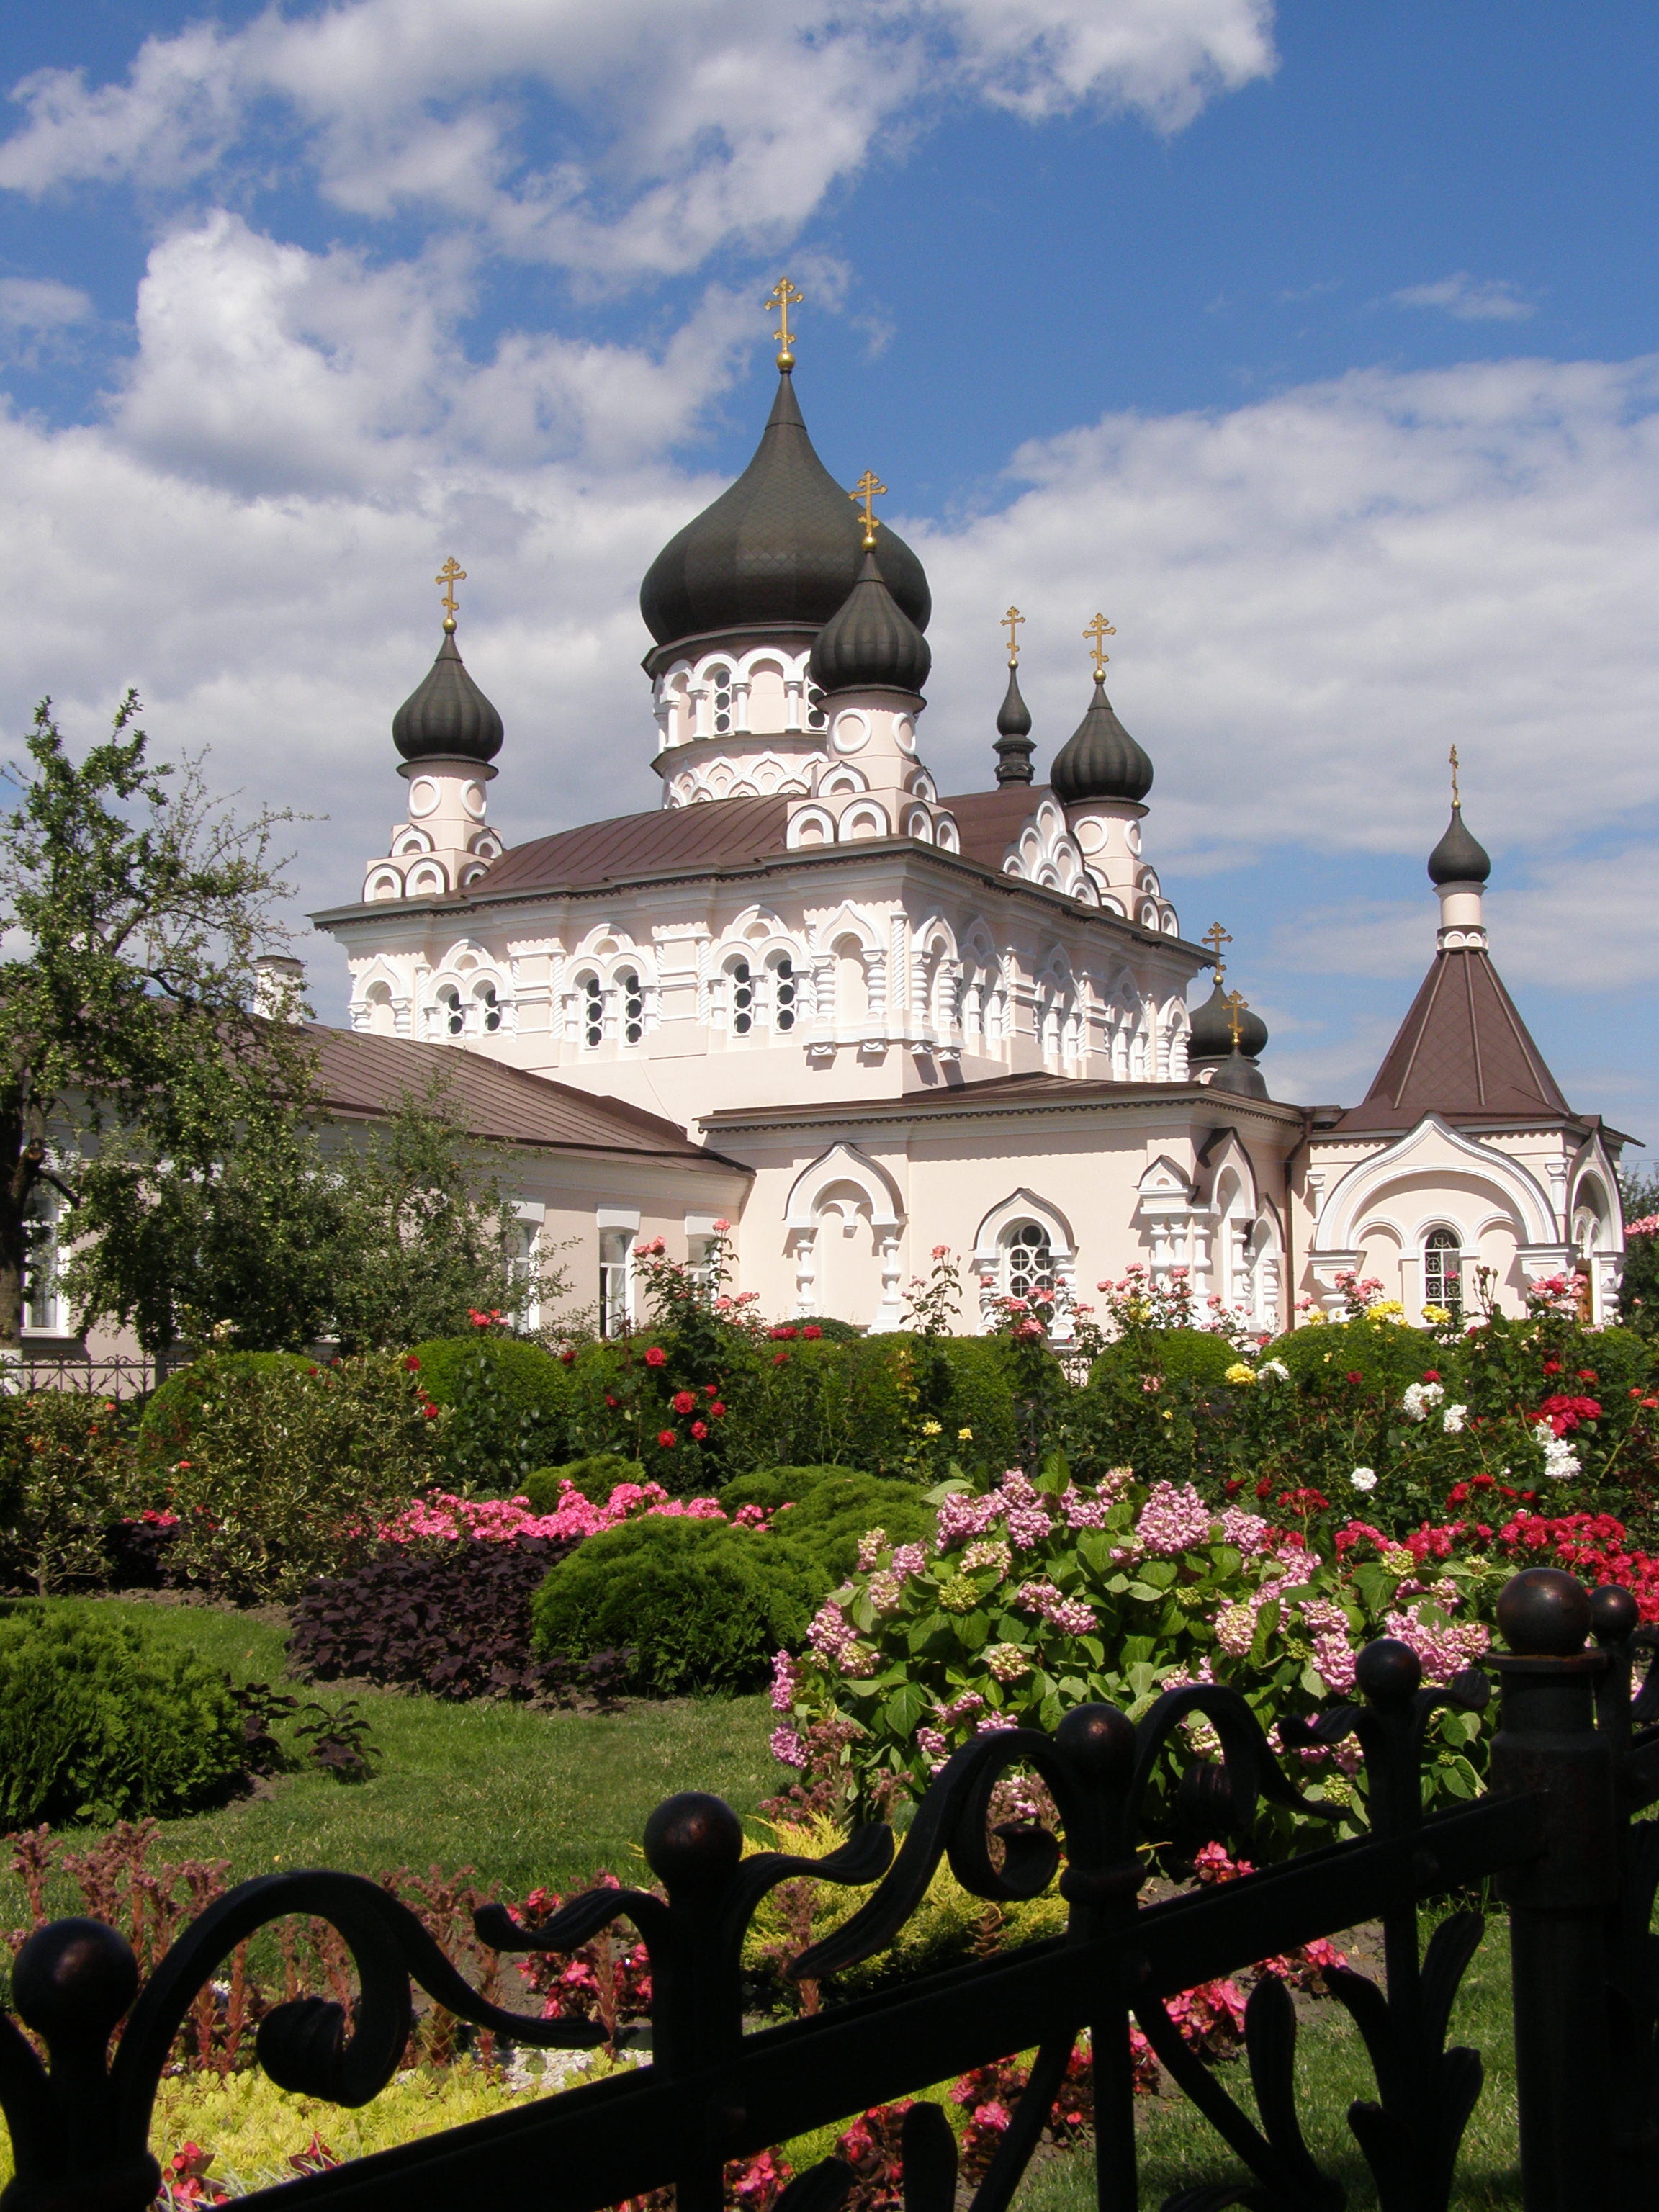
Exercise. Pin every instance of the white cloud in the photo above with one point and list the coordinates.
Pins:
(40, 303)
(678, 129)
(1469, 300)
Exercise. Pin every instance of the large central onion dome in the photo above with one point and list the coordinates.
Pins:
(870, 643)
(447, 717)
(781, 549)
(1100, 759)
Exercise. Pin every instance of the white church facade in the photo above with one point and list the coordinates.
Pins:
(866, 1018)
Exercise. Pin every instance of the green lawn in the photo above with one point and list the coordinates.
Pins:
(528, 1798)
(524, 1797)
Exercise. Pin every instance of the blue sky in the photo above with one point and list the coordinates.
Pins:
(1314, 344)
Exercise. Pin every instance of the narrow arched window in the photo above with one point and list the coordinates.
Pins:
(485, 995)
(742, 987)
(1442, 1270)
(1028, 1261)
(783, 991)
(593, 1011)
(633, 1007)
(452, 1018)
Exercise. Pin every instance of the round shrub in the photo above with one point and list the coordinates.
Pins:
(169, 1417)
(830, 1512)
(1386, 1355)
(1195, 1355)
(701, 1605)
(96, 1724)
(596, 1477)
(509, 1405)
(966, 1382)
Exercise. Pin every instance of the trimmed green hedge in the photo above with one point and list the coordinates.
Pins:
(1194, 1355)
(829, 1507)
(510, 1405)
(95, 1724)
(701, 1605)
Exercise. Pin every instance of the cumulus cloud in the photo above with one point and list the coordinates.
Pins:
(680, 130)
(1469, 300)
(40, 303)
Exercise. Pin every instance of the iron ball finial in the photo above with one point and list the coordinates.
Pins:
(1388, 1672)
(693, 1841)
(1615, 1614)
(1099, 1741)
(73, 1979)
(1544, 1613)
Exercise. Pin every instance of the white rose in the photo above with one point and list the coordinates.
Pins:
(1363, 1478)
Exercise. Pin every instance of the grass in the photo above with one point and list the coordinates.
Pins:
(524, 1797)
(529, 1797)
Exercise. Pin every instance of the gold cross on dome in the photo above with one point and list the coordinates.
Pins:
(868, 487)
(1100, 630)
(1015, 620)
(1455, 800)
(1237, 1006)
(449, 575)
(783, 296)
(1215, 937)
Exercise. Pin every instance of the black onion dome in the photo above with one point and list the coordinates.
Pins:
(1237, 1075)
(1212, 1036)
(1459, 858)
(1013, 746)
(870, 642)
(781, 545)
(1100, 759)
(447, 714)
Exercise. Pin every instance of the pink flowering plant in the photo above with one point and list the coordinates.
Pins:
(1037, 1596)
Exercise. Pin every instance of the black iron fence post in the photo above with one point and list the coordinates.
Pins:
(1558, 1902)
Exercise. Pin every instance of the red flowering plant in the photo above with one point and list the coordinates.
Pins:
(607, 1981)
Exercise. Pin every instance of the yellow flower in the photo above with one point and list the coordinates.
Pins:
(1317, 1320)
(964, 1435)
(1238, 1372)
(1436, 1316)
(932, 1429)
(1386, 1309)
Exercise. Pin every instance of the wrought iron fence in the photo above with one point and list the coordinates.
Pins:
(1574, 1758)
(119, 1375)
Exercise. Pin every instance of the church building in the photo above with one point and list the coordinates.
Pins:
(860, 1017)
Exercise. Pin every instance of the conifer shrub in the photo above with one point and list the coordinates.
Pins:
(700, 1605)
(824, 1512)
(596, 1476)
(96, 1724)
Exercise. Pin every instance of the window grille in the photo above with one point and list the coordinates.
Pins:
(453, 1019)
(613, 1282)
(633, 1007)
(783, 992)
(593, 1012)
(743, 998)
(1029, 1262)
(721, 680)
(492, 1012)
(1442, 1270)
(40, 1261)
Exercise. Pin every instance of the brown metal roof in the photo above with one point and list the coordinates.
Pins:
(990, 821)
(1038, 1090)
(720, 833)
(369, 1075)
(1462, 1052)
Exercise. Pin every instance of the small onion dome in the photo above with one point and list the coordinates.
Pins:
(1100, 759)
(1459, 858)
(447, 714)
(870, 643)
(1212, 1036)
(1240, 1076)
(1013, 746)
(780, 546)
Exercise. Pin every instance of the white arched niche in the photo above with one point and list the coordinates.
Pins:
(844, 1223)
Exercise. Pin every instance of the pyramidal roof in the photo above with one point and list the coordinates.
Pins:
(1462, 1052)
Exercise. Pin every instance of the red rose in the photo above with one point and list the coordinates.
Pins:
(568, 1354)
(609, 1400)
(667, 1439)
(411, 1363)
(656, 1357)
(813, 1330)
(700, 1430)
(429, 1412)
(779, 1359)
(717, 1411)
(685, 1401)
(1354, 1374)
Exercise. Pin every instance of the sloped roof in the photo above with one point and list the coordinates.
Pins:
(722, 833)
(368, 1076)
(1037, 1090)
(1462, 1052)
(990, 821)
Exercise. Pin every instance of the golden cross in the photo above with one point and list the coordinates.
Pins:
(1100, 630)
(1239, 1004)
(1455, 800)
(783, 296)
(449, 575)
(868, 487)
(1215, 935)
(1015, 620)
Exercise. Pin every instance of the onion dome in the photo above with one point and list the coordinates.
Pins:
(1100, 759)
(870, 643)
(1212, 1033)
(779, 548)
(447, 717)
(1458, 858)
(1014, 745)
(1240, 1076)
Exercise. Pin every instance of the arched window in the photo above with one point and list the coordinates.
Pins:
(451, 1017)
(489, 1006)
(633, 1007)
(1442, 1270)
(593, 1011)
(720, 680)
(614, 1282)
(783, 991)
(1028, 1261)
(740, 982)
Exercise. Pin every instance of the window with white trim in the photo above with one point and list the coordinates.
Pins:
(614, 1280)
(720, 682)
(1442, 1270)
(450, 1015)
(593, 1011)
(783, 991)
(633, 1007)
(488, 1006)
(740, 984)
(1028, 1261)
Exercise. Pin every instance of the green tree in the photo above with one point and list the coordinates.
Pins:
(138, 906)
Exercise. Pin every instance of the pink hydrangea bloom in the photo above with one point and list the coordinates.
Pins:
(786, 1680)
(1246, 1531)
(788, 1746)
(1173, 1520)
(830, 1636)
(1334, 1653)
(909, 1559)
(1445, 1650)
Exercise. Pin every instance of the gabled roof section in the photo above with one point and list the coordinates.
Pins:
(989, 822)
(1462, 1052)
(720, 833)
(366, 1077)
